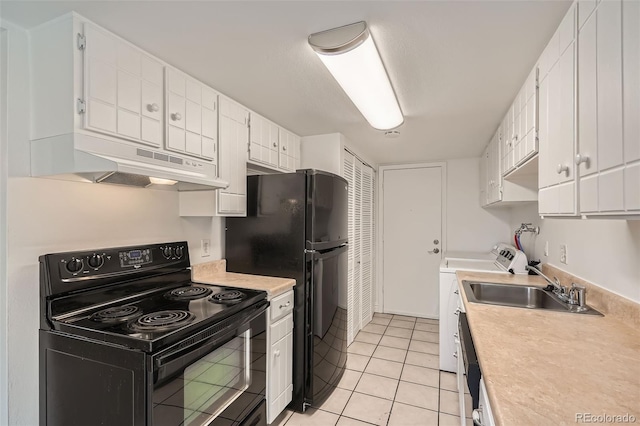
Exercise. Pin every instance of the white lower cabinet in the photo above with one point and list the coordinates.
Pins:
(448, 320)
(483, 415)
(279, 355)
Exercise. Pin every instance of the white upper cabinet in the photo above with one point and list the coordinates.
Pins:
(123, 88)
(608, 151)
(192, 116)
(289, 158)
(557, 135)
(264, 143)
(234, 140)
(272, 146)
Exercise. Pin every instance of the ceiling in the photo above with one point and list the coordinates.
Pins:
(455, 65)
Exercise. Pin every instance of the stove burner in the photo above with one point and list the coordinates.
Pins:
(116, 314)
(188, 293)
(162, 320)
(228, 296)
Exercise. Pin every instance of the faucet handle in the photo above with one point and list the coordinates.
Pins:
(578, 295)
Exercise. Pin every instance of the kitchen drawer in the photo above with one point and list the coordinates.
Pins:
(281, 328)
(281, 305)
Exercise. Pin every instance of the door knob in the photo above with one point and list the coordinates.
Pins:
(436, 242)
(435, 250)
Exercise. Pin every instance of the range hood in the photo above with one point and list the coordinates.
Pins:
(84, 157)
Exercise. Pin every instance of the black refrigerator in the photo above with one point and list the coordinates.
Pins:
(296, 227)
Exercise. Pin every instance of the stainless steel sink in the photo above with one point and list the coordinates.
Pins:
(519, 296)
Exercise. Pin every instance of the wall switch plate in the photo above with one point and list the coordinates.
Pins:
(205, 246)
(563, 253)
(546, 248)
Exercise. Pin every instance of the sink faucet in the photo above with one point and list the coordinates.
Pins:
(558, 289)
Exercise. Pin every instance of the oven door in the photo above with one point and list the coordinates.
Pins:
(217, 377)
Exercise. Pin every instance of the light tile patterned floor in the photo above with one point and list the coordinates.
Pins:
(392, 379)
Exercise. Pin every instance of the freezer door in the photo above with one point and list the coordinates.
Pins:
(328, 331)
(326, 210)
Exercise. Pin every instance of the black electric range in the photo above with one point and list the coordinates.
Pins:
(131, 321)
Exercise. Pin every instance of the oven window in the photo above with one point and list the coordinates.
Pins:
(205, 387)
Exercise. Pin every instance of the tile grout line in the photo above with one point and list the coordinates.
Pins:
(393, 402)
(362, 372)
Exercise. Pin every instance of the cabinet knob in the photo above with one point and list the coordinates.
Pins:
(284, 148)
(562, 168)
(581, 159)
(457, 312)
(276, 352)
(456, 292)
(455, 354)
(275, 145)
(153, 107)
(176, 116)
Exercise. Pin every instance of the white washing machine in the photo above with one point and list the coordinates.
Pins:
(505, 259)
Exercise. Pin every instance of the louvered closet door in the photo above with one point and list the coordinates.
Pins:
(366, 246)
(361, 248)
(348, 173)
(356, 245)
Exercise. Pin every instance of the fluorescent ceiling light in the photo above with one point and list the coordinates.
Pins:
(352, 58)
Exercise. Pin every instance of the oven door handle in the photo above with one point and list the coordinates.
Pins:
(183, 355)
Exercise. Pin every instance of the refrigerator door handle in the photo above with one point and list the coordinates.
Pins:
(317, 255)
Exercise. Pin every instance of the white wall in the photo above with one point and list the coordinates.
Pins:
(322, 152)
(469, 226)
(46, 215)
(605, 252)
(4, 171)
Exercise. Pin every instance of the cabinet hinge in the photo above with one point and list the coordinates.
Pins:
(82, 42)
(82, 106)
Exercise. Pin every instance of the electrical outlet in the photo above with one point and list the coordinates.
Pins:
(205, 246)
(546, 248)
(563, 253)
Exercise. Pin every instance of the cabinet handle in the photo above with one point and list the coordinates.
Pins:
(457, 312)
(276, 352)
(455, 335)
(456, 292)
(153, 107)
(455, 354)
(284, 148)
(275, 145)
(581, 159)
(176, 116)
(476, 417)
(562, 168)
(286, 305)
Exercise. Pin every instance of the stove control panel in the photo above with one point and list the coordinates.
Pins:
(135, 258)
(105, 263)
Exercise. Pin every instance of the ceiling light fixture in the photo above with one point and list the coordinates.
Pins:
(352, 58)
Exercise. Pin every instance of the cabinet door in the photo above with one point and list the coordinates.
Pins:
(123, 89)
(448, 325)
(286, 142)
(233, 146)
(192, 116)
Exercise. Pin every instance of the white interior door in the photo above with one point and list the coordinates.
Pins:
(412, 239)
